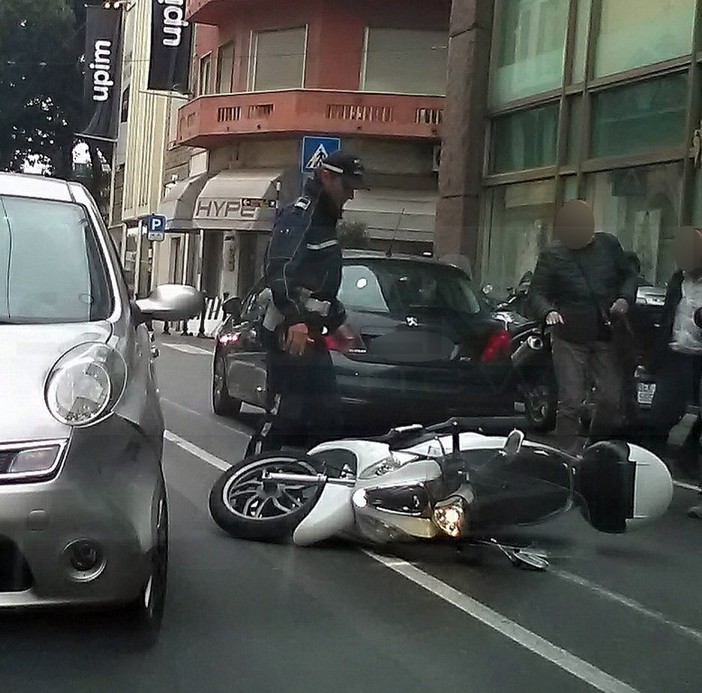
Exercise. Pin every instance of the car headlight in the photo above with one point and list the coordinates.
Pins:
(391, 463)
(85, 384)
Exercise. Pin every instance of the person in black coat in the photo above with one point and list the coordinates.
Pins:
(582, 283)
(677, 360)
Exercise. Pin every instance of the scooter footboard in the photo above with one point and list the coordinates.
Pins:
(622, 487)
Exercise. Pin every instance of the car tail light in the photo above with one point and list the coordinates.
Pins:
(227, 338)
(498, 347)
(336, 342)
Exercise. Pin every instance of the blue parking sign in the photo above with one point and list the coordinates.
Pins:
(315, 150)
(155, 227)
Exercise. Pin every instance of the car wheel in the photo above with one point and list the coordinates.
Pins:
(146, 613)
(541, 406)
(222, 403)
(246, 506)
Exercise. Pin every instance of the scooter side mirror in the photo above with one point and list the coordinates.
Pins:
(513, 444)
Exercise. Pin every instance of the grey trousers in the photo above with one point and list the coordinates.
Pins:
(577, 366)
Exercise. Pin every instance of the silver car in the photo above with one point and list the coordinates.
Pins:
(83, 511)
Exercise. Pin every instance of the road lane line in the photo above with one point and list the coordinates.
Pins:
(188, 349)
(623, 600)
(211, 419)
(198, 452)
(563, 659)
(689, 487)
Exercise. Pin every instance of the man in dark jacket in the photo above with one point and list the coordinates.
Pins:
(677, 362)
(303, 272)
(582, 283)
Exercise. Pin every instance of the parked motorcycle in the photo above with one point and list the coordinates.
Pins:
(443, 481)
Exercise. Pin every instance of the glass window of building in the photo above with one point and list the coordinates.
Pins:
(205, 76)
(225, 68)
(575, 123)
(278, 60)
(526, 139)
(582, 22)
(640, 33)
(529, 50)
(640, 118)
(401, 61)
(641, 207)
(697, 205)
(521, 224)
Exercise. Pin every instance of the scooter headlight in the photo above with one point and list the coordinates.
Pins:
(391, 463)
(450, 517)
(85, 384)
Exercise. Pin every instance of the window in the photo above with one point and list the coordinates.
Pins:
(521, 218)
(401, 61)
(582, 21)
(640, 118)
(529, 48)
(52, 269)
(640, 206)
(225, 68)
(278, 60)
(657, 30)
(124, 107)
(397, 286)
(205, 80)
(575, 122)
(526, 139)
(697, 206)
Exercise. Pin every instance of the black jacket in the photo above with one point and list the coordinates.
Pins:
(560, 282)
(304, 254)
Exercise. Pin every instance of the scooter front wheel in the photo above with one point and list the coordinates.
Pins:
(247, 506)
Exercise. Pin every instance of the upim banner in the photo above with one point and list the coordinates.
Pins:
(171, 40)
(103, 68)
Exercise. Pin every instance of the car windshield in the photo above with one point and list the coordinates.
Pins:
(398, 286)
(51, 270)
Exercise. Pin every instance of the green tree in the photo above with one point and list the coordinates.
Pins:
(352, 234)
(41, 85)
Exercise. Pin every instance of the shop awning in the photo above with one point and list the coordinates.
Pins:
(243, 200)
(178, 205)
(411, 213)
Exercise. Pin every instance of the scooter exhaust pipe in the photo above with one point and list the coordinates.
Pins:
(527, 350)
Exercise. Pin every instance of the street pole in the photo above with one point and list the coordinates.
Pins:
(200, 282)
(186, 262)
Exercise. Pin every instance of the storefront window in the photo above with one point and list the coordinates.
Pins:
(520, 226)
(530, 49)
(641, 207)
(645, 32)
(640, 118)
(526, 139)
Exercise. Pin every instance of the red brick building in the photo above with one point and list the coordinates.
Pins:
(270, 72)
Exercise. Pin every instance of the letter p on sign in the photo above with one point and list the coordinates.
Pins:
(155, 227)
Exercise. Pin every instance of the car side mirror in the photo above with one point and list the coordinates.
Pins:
(513, 444)
(232, 306)
(171, 303)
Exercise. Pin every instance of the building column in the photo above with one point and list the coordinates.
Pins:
(464, 130)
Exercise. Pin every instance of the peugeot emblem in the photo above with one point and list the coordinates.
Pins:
(412, 322)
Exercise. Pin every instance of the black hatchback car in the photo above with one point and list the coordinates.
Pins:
(427, 346)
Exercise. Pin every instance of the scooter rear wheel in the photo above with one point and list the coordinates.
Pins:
(246, 506)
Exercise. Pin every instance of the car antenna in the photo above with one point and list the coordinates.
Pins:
(394, 235)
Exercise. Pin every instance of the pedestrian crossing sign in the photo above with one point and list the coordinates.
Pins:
(315, 150)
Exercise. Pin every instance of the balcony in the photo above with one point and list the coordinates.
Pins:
(209, 121)
(206, 11)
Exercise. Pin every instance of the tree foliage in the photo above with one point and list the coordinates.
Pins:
(41, 84)
(352, 234)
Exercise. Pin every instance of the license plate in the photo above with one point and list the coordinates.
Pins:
(645, 393)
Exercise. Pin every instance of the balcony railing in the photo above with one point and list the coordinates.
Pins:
(209, 119)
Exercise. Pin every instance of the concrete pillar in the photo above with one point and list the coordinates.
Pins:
(464, 130)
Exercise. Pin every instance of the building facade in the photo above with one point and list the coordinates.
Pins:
(551, 100)
(267, 75)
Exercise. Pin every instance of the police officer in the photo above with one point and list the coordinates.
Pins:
(303, 273)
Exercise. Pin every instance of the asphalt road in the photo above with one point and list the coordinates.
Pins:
(612, 614)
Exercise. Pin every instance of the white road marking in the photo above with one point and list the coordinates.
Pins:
(689, 487)
(198, 452)
(211, 419)
(188, 349)
(632, 604)
(563, 659)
